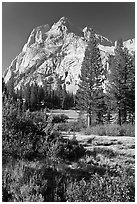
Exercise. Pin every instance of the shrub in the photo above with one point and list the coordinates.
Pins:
(39, 118)
(63, 126)
(95, 130)
(66, 149)
(22, 183)
(22, 135)
(72, 126)
(105, 151)
(71, 150)
(62, 118)
(111, 130)
(123, 130)
(114, 130)
(102, 189)
(129, 130)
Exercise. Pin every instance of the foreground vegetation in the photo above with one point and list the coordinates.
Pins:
(39, 165)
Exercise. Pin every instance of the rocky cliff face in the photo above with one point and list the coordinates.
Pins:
(58, 52)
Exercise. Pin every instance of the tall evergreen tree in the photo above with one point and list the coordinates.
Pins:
(130, 102)
(41, 94)
(34, 96)
(45, 88)
(26, 95)
(10, 86)
(69, 101)
(101, 107)
(3, 85)
(4, 90)
(119, 81)
(89, 93)
(64, 95)
(49, 95)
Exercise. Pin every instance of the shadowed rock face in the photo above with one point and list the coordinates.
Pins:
(54, 52)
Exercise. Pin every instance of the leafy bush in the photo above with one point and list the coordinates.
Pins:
(129, 130)
(72, 126)
(39, 118)
(62, 118)
(117, 130)
(114, 130)
(20, 135)
(23, 183)
(102, 189)
(105, 151)
(71, 150)
(63, 126)
(96, 130)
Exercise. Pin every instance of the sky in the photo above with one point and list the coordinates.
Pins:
(110, 19)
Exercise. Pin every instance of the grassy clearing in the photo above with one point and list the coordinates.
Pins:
(111, 130)
(77, 123)
(72, 114)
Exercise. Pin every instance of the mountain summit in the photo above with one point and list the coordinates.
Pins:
(58, 52)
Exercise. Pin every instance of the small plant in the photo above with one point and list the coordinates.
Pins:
(90, 140)
(60, 118)
(105, 151)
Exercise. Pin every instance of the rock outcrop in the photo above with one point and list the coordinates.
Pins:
(56, 51)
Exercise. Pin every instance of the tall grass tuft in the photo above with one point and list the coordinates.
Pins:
(111, 130)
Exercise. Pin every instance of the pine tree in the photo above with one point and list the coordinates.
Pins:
(50, 91)
(10, 87)
(119, 81)
(41, 94)
(64, 94)
(45, 93)
(60, 90)
(4, 89)
(69, 100)
(89, 94)
(130, 93)
(3, 85)
(34, 96)
(101, 107)
(26, 95)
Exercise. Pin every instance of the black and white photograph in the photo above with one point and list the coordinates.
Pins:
(68, 101)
